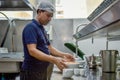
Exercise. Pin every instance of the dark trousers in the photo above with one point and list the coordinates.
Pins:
(30, 75)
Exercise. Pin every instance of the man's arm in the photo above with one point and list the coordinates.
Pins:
(33, 51)
(55, 52)
(58, 53)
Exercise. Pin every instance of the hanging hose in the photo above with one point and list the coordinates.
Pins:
(3, 41)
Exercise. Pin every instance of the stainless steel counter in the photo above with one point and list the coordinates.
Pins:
(10, 62)
(92, 74)
(11, 56)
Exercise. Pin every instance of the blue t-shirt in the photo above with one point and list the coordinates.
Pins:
(34, 33)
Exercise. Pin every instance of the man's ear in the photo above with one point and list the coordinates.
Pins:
(38, 11)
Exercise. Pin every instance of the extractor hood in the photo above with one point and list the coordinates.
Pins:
(15, 5)
(105, 21)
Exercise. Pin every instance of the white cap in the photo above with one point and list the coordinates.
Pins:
(47, 6)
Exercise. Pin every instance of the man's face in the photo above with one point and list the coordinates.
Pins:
(45, 17)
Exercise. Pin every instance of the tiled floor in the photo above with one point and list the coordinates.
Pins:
(56, 74)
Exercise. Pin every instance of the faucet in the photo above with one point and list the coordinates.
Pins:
(76, 42)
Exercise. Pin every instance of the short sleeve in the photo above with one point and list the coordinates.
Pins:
(29, 35)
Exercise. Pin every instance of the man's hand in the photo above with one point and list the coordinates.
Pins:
(59, 62)
(68, 57)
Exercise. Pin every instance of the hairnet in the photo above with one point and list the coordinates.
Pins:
(47, 6)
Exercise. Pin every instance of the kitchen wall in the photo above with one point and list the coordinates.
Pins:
(62, 32)
(63, 29)
(98, 44)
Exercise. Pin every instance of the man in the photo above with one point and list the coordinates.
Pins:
(37, 47)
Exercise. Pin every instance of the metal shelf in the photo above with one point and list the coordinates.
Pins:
(106, 23)
(105, 4)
